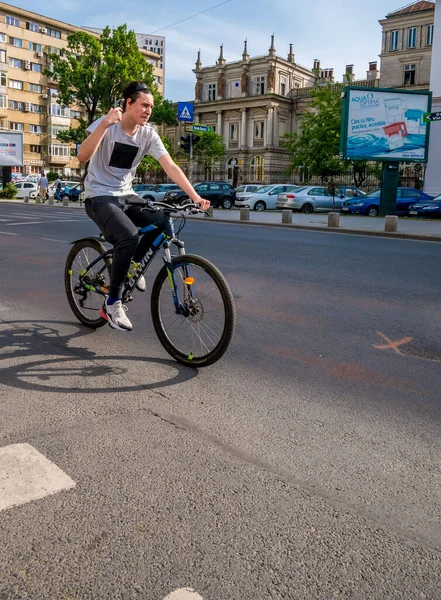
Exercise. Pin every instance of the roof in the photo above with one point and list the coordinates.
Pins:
(413, 8)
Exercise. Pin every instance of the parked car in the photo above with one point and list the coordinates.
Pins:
(429, 208)
(158, 191)
(27, 189)
(220, 193)
(265, 198)
(370, 204)
(311, 198)
(51, 187)
(74, 194)
(143, 187)
(248, 188)
(352, 191)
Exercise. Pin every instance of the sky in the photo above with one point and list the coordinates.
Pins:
(338, 33)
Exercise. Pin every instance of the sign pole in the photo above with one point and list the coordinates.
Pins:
(190, 170)
(389, 185)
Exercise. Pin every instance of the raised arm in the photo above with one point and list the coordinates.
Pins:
(93, 140)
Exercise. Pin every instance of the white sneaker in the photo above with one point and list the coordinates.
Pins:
(116, 315)
(141, 284)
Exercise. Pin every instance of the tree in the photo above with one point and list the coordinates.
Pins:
(164, 113)
(208, 150)
(317, 147)
(91, 73)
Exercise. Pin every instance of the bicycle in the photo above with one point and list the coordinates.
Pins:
(191, 304)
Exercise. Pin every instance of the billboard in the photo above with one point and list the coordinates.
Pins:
(385, 125)
(11, 149)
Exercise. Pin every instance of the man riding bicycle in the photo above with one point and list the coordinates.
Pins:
(115, 145)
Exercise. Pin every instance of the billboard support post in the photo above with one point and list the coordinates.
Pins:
(389, 185)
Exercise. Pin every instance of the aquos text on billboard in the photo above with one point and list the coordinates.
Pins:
(384, 125)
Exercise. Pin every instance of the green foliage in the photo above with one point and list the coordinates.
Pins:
(51, 176)
(91, 73)
(209, 149)
(149, 164)
(317, 147)
(9, 191)
(164, 113)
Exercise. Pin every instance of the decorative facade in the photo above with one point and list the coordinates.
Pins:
(406, 51)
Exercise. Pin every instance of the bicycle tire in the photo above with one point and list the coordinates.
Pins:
(188, 355)
(69, 282)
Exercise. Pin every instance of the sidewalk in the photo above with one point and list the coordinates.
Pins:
(428, 230)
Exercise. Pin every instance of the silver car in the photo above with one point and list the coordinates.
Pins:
(247, 189)
(158, 192)
(264, 198)
(309, 199)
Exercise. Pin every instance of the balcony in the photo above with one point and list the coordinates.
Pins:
(3, 112)
(233, 144)
(56, 120)
(58, 160)
(257, 143)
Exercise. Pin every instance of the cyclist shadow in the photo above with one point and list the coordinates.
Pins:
(39, 356)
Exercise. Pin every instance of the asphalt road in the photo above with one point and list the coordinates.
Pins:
(304, 465)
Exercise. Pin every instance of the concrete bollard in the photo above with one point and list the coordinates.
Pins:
(51, 201)
(38, 200)
(210, 212)
(391, 223)
(287, 216)
(334, 219)
(244, 214)
(26, 200)
(65, 201)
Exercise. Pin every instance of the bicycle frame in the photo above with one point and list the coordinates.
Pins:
(164, 240)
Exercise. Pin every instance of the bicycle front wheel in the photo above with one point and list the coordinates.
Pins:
(202, 334)
(81, 287)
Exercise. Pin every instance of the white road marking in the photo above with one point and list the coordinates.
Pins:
(27, 475)
(53, 240)
(39, 222)
(184, 594)
(7, 233)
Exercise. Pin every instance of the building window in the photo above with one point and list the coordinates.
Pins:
(258, 168)
(3, 37)
(211, 92)
(3, 56)
(36, 67)
(34, 47)
(3, 79)
(260, 85)
(3, 101)
(32, 26)
(35, 148)
(429, 35)
(35, 129)
(59, 150)
(59, 111)
(283, 86)
(409, 74)
(411, 37)
(17, 42)
(16, 62)
(394, 38)
(259, 128)
(16, 126)
(15, 84)
(162, 42)
(35, 108)
(15, 105)
(54, 131)
(12, 21)
(53, 33)
(34, 87)
(234, 132)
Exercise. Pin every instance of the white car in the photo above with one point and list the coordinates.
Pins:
(248, 188)
(264, 198)
(26, 189)
(311, 198)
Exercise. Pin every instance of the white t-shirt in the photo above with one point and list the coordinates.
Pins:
(113, 166)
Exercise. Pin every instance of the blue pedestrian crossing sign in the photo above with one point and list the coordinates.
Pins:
(186, 111)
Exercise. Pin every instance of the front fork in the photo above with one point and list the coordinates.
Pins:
(181, 309)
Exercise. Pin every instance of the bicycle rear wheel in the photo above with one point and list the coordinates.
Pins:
(201, 336)
(84, 301)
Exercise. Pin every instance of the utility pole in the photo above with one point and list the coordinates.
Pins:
(190, 169)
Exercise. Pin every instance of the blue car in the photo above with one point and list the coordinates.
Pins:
(370, 204)
(429, 208)
(74, 194)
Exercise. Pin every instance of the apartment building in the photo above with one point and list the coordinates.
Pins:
(28, 98)
(406, 51)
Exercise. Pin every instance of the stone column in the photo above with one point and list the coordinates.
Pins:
(275, 128)
(432, 180)
(270, 127)
(219, 123)
(243, 133)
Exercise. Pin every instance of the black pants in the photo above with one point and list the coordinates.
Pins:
(119, 224)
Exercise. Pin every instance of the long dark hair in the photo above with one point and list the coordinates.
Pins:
(133, 91)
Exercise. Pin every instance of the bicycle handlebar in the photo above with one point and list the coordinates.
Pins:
(190, 207)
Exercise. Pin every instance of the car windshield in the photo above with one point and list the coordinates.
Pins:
(264, 188)
(375, 194)
(436, 199)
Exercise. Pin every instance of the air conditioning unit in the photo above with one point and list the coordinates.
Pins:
(44, 96)
(39, 54)
(43, 30)
(26, 107)
(27, 65)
